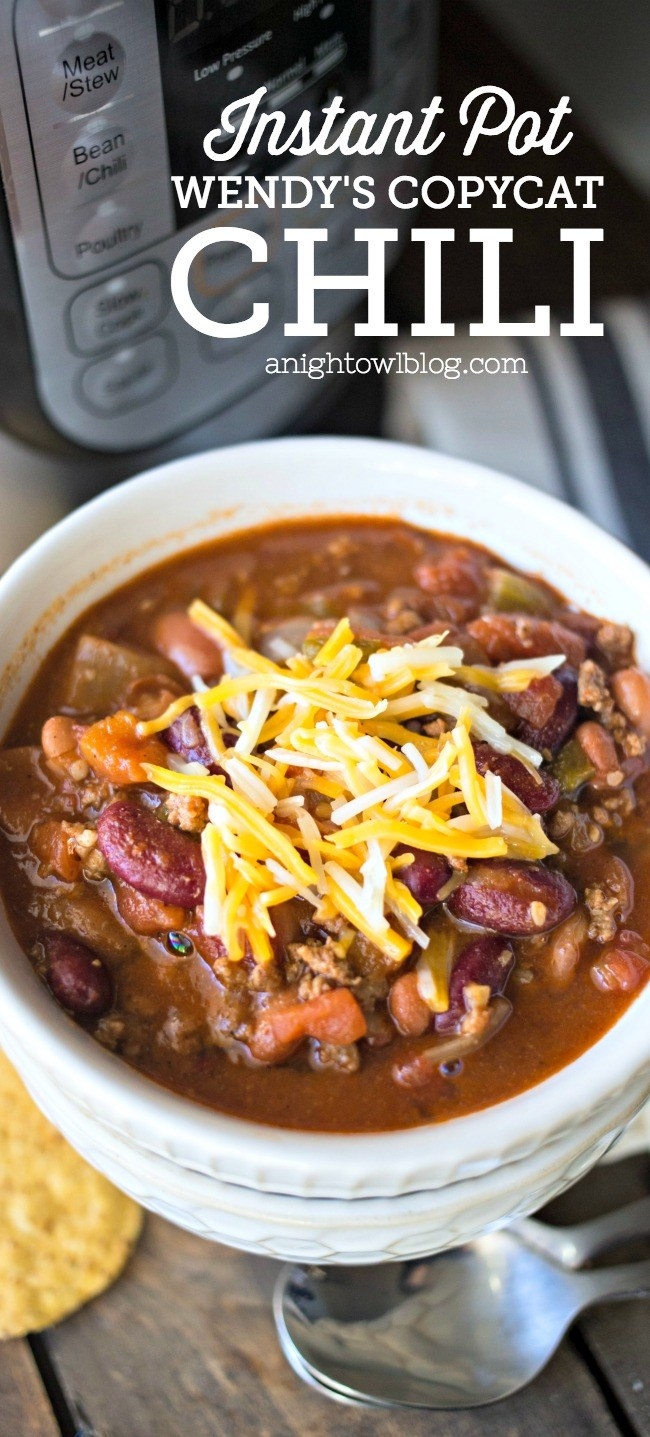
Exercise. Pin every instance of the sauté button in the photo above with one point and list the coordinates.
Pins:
(129, 377)
(118, 309)
(99, 158)
(88, 73)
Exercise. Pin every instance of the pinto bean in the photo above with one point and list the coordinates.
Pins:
(620, 969)
(540, 793)
(423, 1070)
(488, 961)
(59, 736)
(518, 636)
(175, 636)
(425, 876)
(632, 693)
(78, 977)
(332, 1017)
(514, 898)
(159, 861)
(562, 956)
(407, 1008)
(552, 735)
(186, 737)
(599, 747)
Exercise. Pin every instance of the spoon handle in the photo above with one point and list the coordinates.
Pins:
(573, 1246)
(631, 1279)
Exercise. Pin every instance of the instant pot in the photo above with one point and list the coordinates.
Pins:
(101, 101)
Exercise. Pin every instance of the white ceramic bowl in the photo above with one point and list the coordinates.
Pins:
(312, 1196)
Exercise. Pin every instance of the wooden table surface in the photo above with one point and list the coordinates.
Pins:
(184, 1346)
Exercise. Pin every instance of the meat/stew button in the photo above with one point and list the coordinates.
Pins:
(88, 73)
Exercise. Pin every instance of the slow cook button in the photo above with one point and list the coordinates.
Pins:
(118, 309)
(130, 377)
(88, 73)
(99, 158)
(112, 232)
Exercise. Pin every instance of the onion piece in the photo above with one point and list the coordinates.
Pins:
(433, 969)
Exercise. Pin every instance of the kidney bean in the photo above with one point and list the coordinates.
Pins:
(539, 794)
(186, 737)
(78, 977)
(632, 693)
(488, 961)
(599, 747)
(175, 636)
(159, 861)
(552, 735)
(518, 636)
(425, 876)
(519, 899)
(407, 1008)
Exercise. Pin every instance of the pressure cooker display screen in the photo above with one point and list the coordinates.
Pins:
(215, 51)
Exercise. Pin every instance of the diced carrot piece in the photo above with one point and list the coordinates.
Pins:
(147, 915)
(333, 1017)
(49, 842)
(115, 751)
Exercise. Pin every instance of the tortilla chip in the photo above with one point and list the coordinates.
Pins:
(65, 1231)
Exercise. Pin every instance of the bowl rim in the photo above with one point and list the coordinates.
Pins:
(253, 1153)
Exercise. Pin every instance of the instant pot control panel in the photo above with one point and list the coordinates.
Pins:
(101, 101)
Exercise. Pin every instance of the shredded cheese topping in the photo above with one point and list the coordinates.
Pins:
(333, 727)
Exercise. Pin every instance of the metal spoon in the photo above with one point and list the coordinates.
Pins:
(573, 1246)
(461, 1329)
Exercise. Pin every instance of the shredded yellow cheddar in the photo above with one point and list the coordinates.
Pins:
(332, 728)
